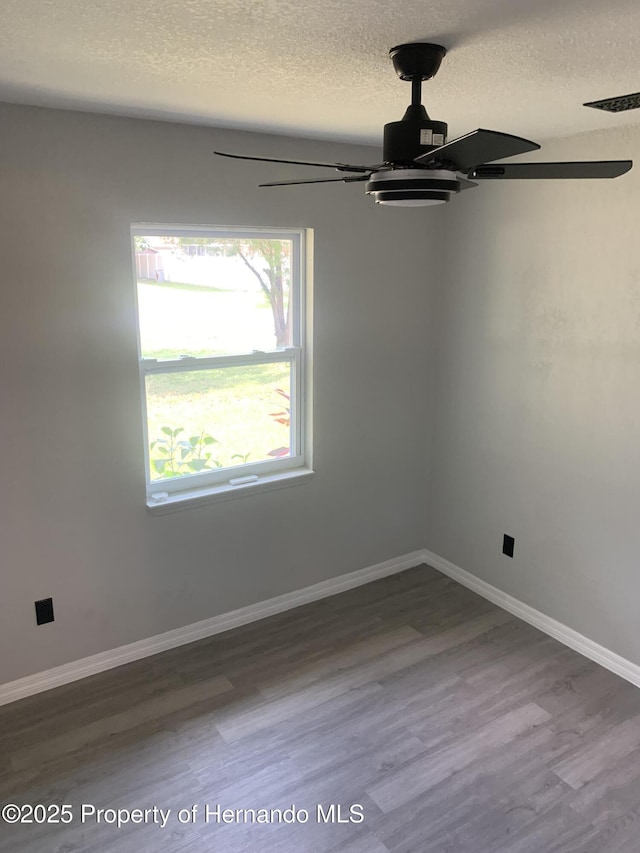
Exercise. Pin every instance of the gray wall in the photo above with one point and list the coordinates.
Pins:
(73, 522)
(516, 409)
(537, 409)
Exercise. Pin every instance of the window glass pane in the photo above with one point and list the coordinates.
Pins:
(203, 296)
(201, 420)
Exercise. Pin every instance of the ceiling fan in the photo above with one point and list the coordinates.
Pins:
(421, 168)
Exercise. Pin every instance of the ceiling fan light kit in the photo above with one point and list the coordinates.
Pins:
(420, 168)
(412, 187)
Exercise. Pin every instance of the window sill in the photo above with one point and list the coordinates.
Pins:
(191, 498)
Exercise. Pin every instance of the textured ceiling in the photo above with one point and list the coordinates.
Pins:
(320, 67)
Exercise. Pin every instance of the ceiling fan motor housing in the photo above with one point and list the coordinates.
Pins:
(407, 139)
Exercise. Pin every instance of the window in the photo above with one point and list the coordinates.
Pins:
(222, 359)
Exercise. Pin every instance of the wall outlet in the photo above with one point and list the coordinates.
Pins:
(44, 611)
(508, 544)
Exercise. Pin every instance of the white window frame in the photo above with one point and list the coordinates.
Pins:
(191, 489)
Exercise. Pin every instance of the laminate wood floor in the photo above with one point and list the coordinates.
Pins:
(456, 727)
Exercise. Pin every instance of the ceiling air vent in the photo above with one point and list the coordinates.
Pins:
(617, 105)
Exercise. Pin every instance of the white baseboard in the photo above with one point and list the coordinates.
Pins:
(576, 641)
(37, 683)
(74, 671)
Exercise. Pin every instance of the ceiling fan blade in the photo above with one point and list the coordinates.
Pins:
(348, 180)
(586, 169)
(341, 167)
(479, 146)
